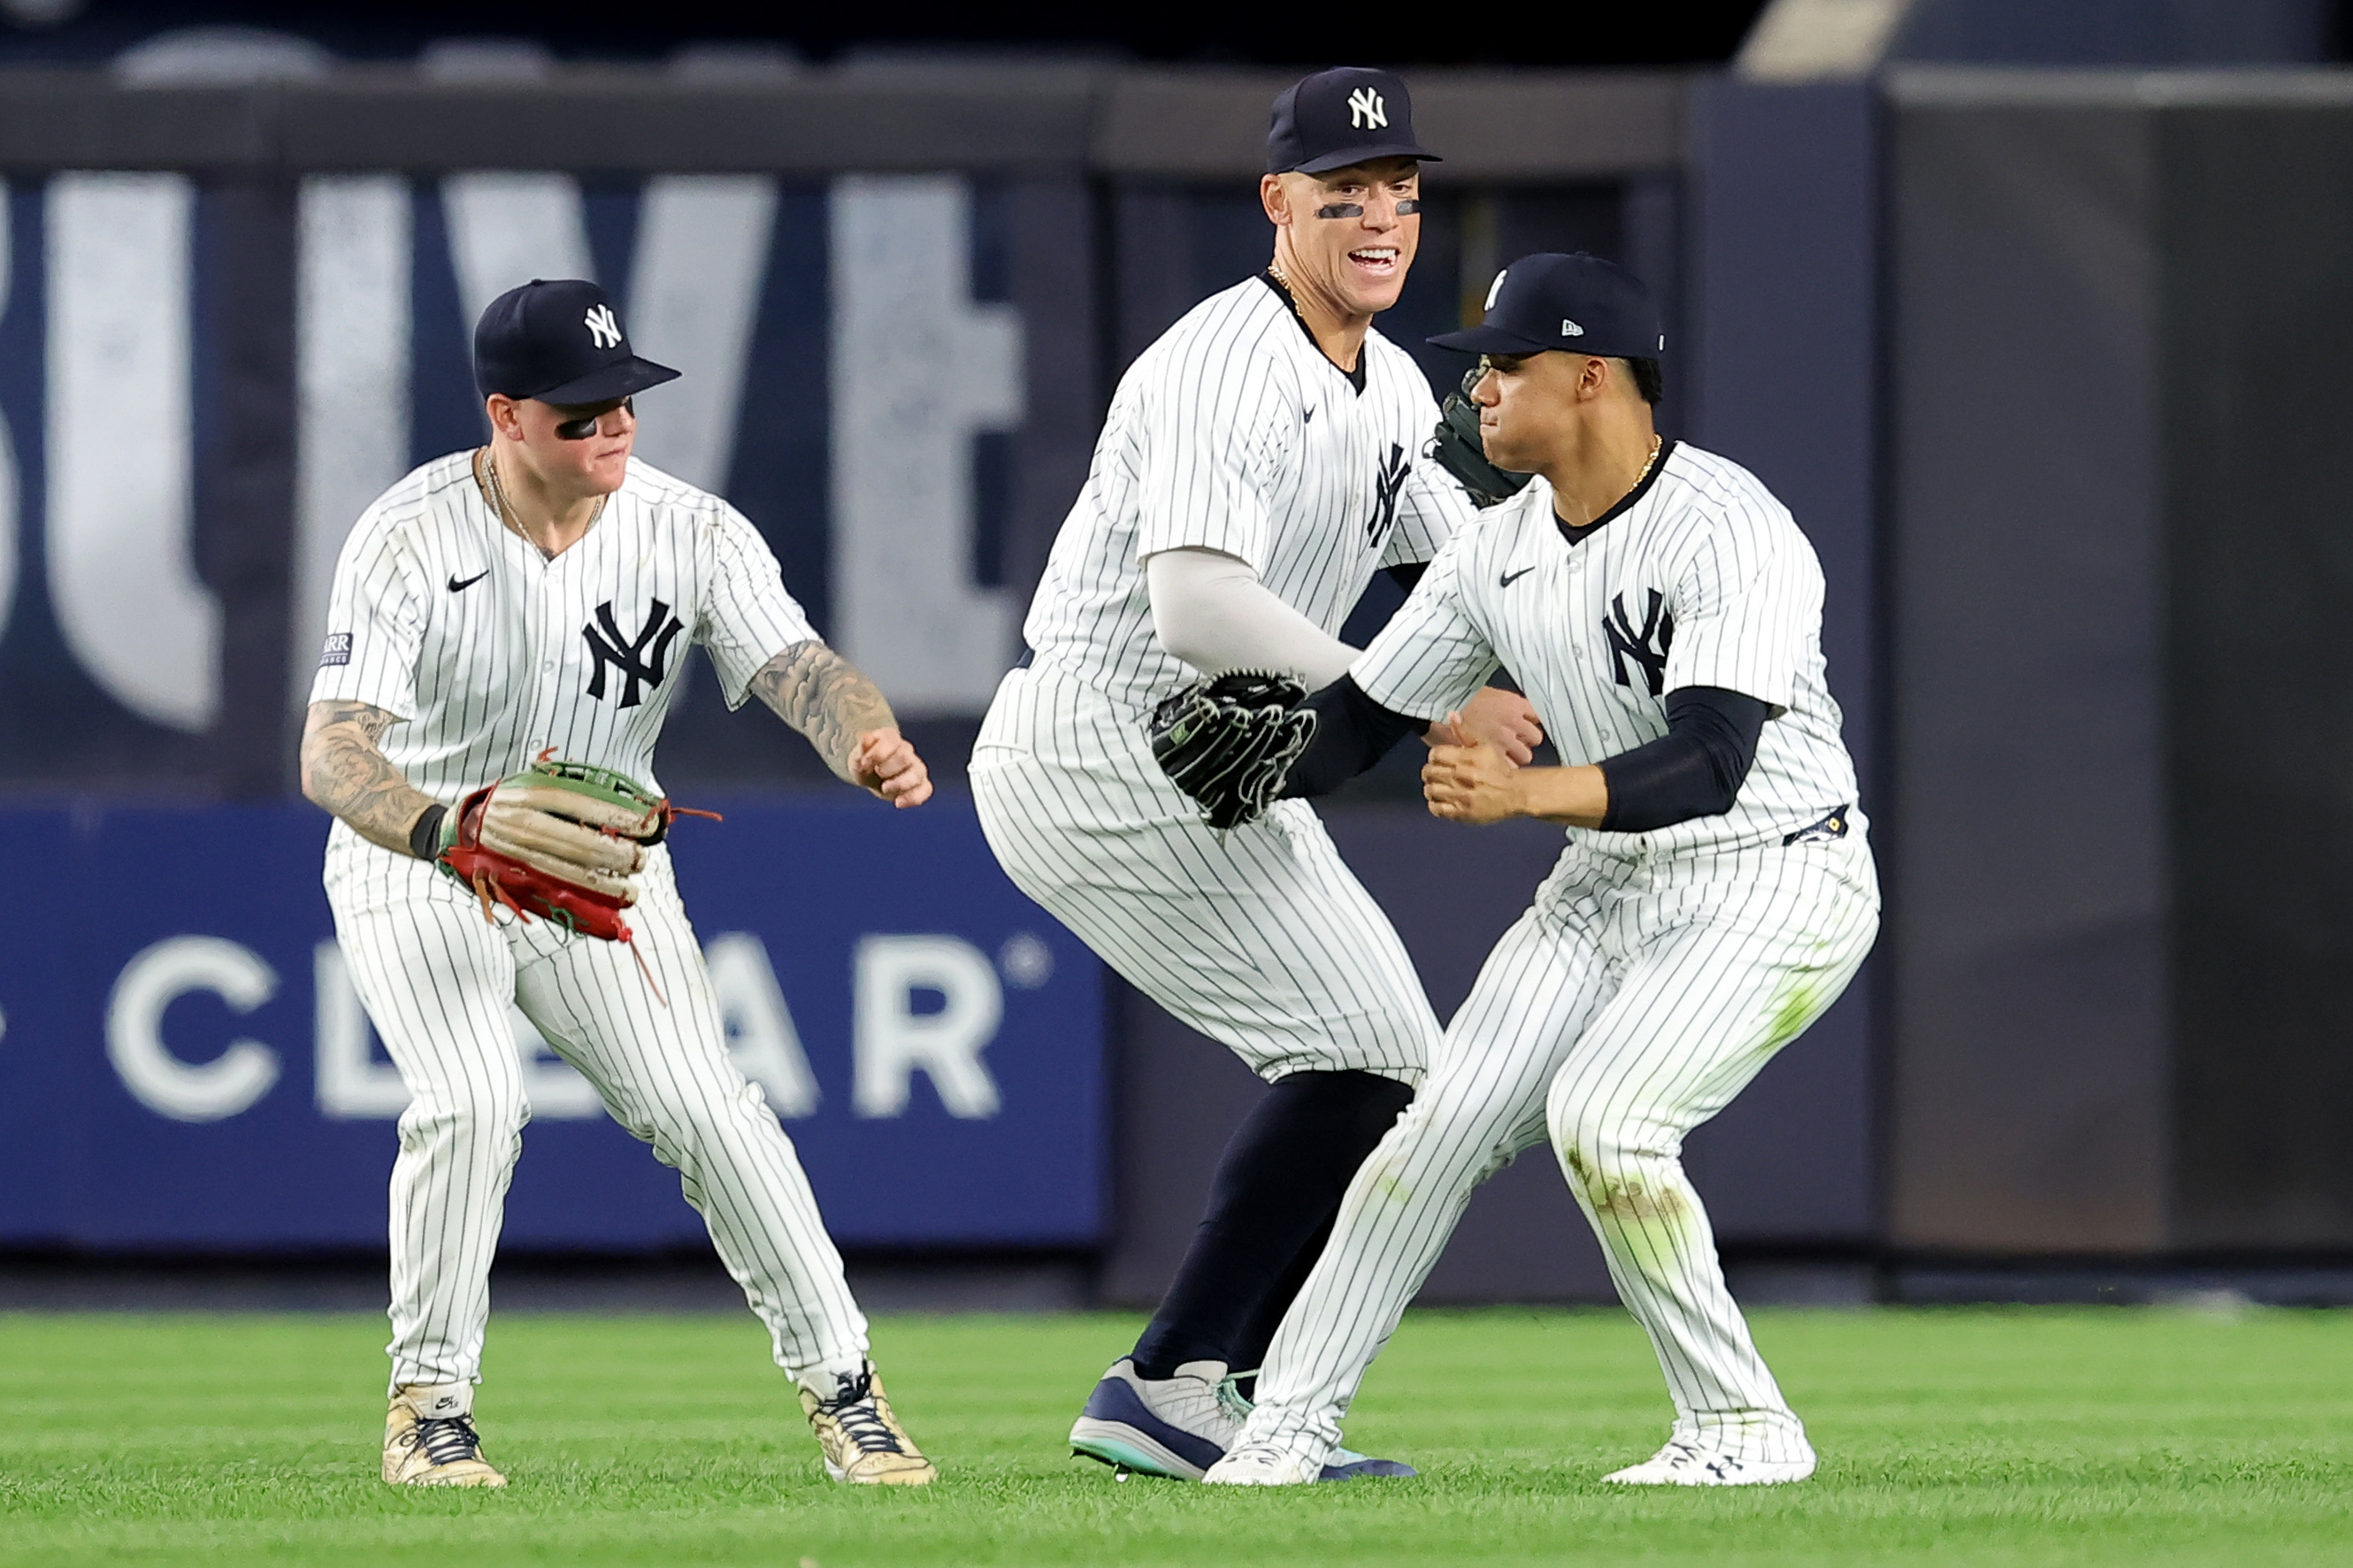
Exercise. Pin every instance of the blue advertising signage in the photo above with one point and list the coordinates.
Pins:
(184, 1064)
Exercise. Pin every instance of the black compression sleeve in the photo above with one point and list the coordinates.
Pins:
(1695, 769)
(1405, 577)
(1352, 733)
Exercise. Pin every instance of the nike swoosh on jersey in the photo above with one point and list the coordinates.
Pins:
(1512, 577)
(457, 587)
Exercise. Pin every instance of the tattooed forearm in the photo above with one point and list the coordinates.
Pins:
(822, 695)
(344, 771)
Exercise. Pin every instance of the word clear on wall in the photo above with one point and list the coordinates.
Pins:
(191, 1067)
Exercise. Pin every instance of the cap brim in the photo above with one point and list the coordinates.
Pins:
(1351, 156)
(1486, 340)
(608, 382)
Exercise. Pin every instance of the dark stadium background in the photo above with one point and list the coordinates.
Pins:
(2039, 322)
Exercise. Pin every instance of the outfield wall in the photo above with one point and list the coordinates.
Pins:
(189, 1067)
(229, 316)
(2049, 365)
(2118, 597)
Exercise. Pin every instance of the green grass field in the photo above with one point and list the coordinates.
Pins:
(2093, 1437)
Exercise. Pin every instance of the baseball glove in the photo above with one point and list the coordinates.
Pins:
(558, 840)
(1457, 448)
(1229, 742)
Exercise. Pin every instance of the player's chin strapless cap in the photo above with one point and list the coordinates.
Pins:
(1335, 117)
(559, 340)
(1578, 303)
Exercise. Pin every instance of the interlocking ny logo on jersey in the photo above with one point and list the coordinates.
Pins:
(1386, 486)
(1626, 642)
(641, 660)
(1365, 110)
(604, 327)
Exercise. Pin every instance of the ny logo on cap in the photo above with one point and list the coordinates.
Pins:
(1365, 110)
(604, 327)
(1495, 288)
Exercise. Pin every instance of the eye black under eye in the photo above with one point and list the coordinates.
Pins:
(582, 428)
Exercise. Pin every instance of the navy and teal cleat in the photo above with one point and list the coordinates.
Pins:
(1179, 1427)
(1175, 1426)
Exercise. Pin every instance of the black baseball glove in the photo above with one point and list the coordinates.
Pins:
(1229, 742)
(1457, 448)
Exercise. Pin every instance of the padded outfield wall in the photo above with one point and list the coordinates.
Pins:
(229, 316)
(2119, 589)
(2050, 366)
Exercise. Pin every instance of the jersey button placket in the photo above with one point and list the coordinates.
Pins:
(542, 612)
(1571, 590)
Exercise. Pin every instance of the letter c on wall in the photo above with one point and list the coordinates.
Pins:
(161, 1082)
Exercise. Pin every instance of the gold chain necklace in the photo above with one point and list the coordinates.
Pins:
(496, 494)
(1658, 445)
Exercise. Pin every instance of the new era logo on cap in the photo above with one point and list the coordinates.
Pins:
(1577, 304)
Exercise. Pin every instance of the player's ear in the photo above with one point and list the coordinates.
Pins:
(1274, 199)
(500, 409)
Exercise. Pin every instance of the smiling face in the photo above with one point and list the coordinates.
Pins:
(573, 468)
(1343, 234)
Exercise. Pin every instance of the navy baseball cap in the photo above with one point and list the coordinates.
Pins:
(1335, 117)
(1578, 303)
(559, 342)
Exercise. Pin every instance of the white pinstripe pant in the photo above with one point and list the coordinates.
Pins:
(1629, 1004)
(438, 979)
(1260, 938)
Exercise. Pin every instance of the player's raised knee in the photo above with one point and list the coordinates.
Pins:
(1617, 1171)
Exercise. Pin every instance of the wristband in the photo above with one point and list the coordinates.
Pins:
(425, 838)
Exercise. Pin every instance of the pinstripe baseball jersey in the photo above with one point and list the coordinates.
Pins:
(489, 652)
(1699, 578)
(447, 619)
(1234, 432)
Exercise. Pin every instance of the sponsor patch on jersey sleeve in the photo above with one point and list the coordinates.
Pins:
(337, 652)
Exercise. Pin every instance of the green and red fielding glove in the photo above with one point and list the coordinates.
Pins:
(562, 841)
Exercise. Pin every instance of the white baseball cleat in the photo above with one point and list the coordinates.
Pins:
(1681, 1463)
(1262, 1464)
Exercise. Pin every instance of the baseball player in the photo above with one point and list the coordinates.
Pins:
(1715, 895)
(535, 596)
(1258, 463)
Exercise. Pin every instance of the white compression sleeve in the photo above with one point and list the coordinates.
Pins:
(1212, 611)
